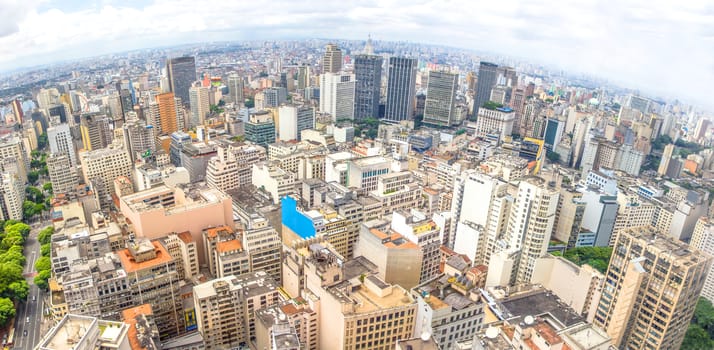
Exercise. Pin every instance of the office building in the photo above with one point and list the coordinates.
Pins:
(290, 325)
(181, 73)
(63, 175)
(178, 140)
(158, 211)
(398, 259)
(184, 250)
(487, 78)
(274, 97)
(495, 123)
(358, 309)
(101, 167)
(703, 240)
(337, 95)
(292, 120)
(450, 307)
(225, 308)
(401, 89)
(235, 89)
(139, 139)
(439, 107)
(332, 60)
(651, 289)
(368, 76)
(167, 110)
(260, 128)
(272, 179)
(303, 77)
(152, 277)
(666, 158)
(60, 140)
(96, 132)
(200, 106)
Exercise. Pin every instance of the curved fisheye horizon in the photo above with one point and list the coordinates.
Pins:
(657, 47)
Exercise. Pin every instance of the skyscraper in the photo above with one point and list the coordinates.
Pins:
(17, 111)
(332, 60)
(337, 95)
(401, 88)
(167, 112)
(303, 77)
(235, 89)
(200, 106)
(651, 288)
(181, 73)
(440, 97)
(368, 73)
(487, 75)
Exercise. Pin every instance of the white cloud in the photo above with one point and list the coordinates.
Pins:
(658, 45)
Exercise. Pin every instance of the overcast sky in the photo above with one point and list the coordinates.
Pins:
(660, 46)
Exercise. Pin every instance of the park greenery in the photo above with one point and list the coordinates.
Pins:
(490, 105)
(13, 286)
(597, 257)
(700, 334)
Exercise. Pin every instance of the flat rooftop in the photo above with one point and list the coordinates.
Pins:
(538, 303)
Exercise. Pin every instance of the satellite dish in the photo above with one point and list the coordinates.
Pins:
(491, 332)
(425, 336)
(529, 320)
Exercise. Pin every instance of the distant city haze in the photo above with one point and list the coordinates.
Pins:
(660, 47)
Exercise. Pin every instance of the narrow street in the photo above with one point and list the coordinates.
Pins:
(30, 313)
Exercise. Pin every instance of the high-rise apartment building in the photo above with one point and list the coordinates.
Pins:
(487, 78)
(60, 140)
(440, 98)
(651, 289)
(368, 74)
(401, 89)
(703, 239)
(530, 224)
(181, 73)
(12, 195)
(332, 60)
(96, 132)
(62, 174)
(337, 95)
(235, 89)
(168, 119)
(200, 106)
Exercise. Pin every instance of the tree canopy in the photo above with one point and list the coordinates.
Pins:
(597, 257)
(7, 310)
(700, 334)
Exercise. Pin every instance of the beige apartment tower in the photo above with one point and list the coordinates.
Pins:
(651, 289)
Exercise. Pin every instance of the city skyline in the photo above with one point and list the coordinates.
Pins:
(589, 37)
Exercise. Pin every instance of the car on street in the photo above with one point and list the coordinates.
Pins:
(27, 319)
(24, 333)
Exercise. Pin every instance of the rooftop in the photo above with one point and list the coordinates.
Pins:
(393, 240)
(229, 246)
(131, 265)
(540, 302)
(418, 344)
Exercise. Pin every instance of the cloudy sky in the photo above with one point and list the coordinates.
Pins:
(659, 46)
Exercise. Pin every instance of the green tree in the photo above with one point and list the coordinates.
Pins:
(45, 249)
(28, 209)
(47, 187)
(45, 235)
(35, 194)
(18, 290)
(7, 310)
(697, 338)
(43, 264)
(12, 256)
(32, 176)
(22, 228)
(11, 239)
(553, 157)
(249, 103)
(42, 278)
